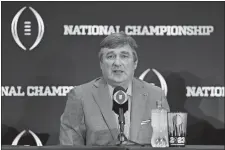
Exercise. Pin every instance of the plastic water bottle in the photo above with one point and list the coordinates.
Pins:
(159, 125)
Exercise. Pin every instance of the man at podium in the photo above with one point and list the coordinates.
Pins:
(88, 118)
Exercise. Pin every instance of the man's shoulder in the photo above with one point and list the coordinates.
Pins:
(85, 86)
(149, 86)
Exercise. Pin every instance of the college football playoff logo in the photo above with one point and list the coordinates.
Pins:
(27, 28)
(120, 97)
(19, 136)
(161, 79)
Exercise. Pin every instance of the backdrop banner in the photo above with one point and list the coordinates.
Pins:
(48, 48)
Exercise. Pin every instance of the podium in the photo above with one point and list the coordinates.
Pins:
(59, 147)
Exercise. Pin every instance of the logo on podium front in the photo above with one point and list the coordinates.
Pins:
(21, 134)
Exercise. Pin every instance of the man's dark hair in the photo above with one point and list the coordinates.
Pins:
(115, 40)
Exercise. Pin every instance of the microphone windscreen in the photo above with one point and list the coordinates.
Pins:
(120, 99)
(118, 88)
(119, 95)
(117, 106)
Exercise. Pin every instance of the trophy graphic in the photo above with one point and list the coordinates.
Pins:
(177, 124)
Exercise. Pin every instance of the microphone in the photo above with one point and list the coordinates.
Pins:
(120, 106)
(120, 100)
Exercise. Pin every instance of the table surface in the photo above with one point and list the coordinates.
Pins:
(131, 147)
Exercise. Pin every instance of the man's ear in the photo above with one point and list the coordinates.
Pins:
(135, 64)
(101, 64)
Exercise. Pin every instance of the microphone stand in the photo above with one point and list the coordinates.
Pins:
(121, 136)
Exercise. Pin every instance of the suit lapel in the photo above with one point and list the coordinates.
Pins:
(102, 98)
(137, 107)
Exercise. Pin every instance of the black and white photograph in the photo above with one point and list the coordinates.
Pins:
(112, 75)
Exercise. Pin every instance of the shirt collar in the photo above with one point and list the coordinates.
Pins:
(129, 90)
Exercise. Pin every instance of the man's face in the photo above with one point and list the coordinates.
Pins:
(118, 65)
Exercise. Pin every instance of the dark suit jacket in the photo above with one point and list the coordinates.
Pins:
(88, 118)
